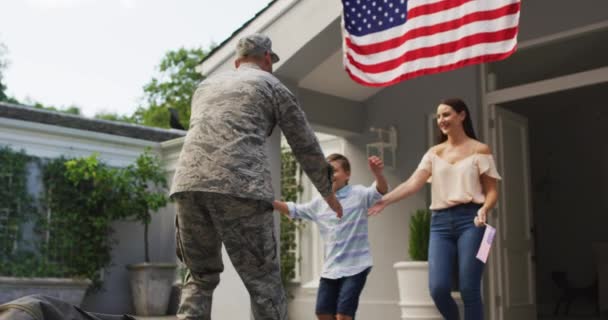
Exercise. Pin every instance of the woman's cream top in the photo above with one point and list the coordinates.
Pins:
(457, 183)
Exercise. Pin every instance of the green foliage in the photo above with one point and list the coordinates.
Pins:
(147, 190)
(15, 201)
(289, 191)
(3, 65)
(82, 198)
(29, 264)
(173, 88)
(420, 231)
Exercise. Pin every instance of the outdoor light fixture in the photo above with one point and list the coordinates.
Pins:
(386, 146)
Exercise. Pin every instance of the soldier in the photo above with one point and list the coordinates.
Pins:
(222, 185)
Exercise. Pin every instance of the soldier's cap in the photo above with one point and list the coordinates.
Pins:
(255, 44)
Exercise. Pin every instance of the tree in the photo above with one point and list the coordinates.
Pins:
(3, 65)
(172, 88)
(146, 190)
(6, 98)
(75, 110)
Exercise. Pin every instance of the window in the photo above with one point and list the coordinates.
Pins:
(309, 245)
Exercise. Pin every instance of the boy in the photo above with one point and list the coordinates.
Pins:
(347, 255)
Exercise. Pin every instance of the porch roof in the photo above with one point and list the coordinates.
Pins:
(307, 36)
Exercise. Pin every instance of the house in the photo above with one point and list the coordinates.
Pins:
(541, 110)
(49, 134)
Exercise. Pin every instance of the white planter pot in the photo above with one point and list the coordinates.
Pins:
(67, 289)
(414, 297)
(151, 285)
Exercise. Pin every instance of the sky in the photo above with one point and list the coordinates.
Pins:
(98, 54)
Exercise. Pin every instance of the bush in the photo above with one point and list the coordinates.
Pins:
(15, 201)
(80, 200)
(83, 197)
(290, 188)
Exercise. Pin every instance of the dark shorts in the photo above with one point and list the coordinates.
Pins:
(341, 296)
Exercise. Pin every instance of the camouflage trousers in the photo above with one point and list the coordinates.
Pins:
(206, 220)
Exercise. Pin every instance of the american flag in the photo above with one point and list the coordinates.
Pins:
(387, 41)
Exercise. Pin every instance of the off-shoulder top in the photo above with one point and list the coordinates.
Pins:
(457, 183)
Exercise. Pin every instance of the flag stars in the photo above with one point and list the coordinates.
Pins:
(368, 16)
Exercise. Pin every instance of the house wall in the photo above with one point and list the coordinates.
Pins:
(406, 106)
(47, 141)
(545, 17)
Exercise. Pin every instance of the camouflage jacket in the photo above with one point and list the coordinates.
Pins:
(232, 115)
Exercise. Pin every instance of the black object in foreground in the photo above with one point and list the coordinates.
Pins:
(39, 307)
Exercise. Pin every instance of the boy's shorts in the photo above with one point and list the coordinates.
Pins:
(341, 296)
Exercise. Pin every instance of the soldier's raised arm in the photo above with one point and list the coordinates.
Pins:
(305, 146)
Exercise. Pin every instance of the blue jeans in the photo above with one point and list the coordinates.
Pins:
(341, 296)
(454, 241)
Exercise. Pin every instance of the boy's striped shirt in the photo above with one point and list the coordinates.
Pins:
(345, 240)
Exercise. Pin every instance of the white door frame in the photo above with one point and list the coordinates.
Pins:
(490, 97)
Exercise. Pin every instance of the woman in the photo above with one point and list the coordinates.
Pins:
(463, 191)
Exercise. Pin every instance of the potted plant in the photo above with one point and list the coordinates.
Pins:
(151, 283)
(412, 276)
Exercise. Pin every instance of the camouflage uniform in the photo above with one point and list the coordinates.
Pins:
(223, 191)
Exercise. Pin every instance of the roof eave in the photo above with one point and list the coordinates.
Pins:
(264, 18)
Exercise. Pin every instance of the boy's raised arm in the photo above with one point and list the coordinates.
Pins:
(376, 166)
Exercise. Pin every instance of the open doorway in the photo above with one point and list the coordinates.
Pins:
(568, 160)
